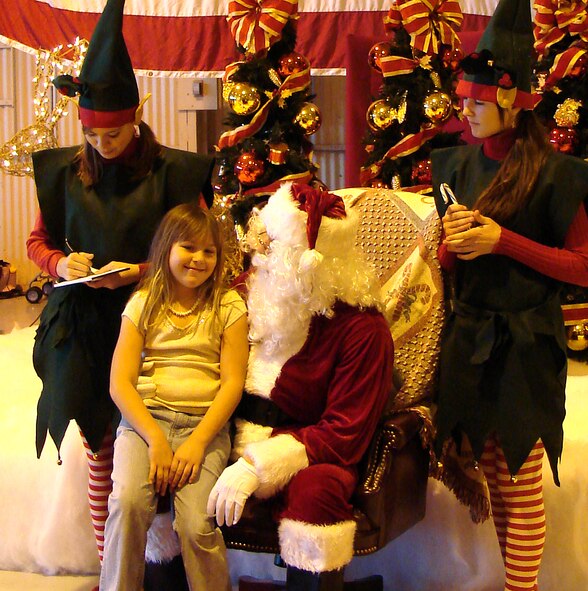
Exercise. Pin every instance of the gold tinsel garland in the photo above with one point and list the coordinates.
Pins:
(15, 154)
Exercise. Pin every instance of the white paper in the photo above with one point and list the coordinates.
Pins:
(91, 277)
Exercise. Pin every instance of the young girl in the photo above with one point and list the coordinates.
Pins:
(192, 335)
(520, 229)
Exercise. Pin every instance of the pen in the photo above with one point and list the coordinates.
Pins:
(92, 269)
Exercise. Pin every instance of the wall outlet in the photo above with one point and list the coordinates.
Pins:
(197, 94)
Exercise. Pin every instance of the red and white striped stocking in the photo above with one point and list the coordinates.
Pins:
(99, 486)
(520, 500)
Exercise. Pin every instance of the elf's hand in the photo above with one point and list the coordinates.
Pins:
(480, 240)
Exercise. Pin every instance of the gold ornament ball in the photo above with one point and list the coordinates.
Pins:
(577, 337)
(380, 115)
(567, 113)
(243, 98)
(437, 106)
(309, 118)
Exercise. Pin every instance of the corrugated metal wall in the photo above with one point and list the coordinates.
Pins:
(187, 129)
(329, 140)
(17, 195)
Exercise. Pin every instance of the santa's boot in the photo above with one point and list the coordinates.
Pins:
(304, 580)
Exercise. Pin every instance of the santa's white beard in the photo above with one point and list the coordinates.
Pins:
(279, 301)
(282, 301)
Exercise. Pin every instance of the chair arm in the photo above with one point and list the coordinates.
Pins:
(391, 436)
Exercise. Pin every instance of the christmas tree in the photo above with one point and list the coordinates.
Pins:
(417, 97)
(561, 77)
(271, 110)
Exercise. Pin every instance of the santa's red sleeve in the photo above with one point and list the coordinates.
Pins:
(359, 388)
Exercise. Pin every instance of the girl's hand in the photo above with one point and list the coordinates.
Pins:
(160, 460)
(458, 218)
(75, 265)
(186, 463)
(117, 279)
(477, 241)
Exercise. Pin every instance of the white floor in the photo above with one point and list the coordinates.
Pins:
(11, 581)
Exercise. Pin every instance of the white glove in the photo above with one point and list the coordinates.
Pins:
(235, 485)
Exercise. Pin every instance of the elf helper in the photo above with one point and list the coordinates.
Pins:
(100, 205)
(519, 230)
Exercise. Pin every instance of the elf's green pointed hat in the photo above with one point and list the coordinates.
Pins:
(107, 87)
(500, 69)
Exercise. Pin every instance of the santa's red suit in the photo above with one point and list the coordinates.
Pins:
(319, 377)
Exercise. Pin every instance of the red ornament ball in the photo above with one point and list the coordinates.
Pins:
(563, 139)
(378, 183)
(292, 63)
(421, 172)
(451, 58)
(249, 168)
(377, 52)
(580, 67)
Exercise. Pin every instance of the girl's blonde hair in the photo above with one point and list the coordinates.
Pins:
(184, 222)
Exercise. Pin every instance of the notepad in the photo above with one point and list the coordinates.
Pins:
(91, 277)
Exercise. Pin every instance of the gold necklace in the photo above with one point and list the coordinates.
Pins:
(184, 313)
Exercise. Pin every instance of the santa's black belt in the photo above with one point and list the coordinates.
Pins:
(261, 411)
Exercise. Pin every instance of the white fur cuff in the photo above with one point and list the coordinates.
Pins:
(276, 461)
(317, 548)
(246, 433)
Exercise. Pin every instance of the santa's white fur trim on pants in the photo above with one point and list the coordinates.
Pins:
(277, 460)
(163, 544)
(316, 548)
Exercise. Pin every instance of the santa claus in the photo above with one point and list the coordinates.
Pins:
(319, 377)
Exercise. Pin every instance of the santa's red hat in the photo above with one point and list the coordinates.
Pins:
(299, 215)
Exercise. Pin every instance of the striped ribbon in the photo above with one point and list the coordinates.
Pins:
(554, 19)
(563, 65)
(256, 24)
(396, 65)
(430, 23)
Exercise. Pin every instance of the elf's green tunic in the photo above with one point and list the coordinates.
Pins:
(115, 220)
(503, 353)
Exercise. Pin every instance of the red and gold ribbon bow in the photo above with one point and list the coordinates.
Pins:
(296, 82)
(554, 19)
(430, 23)
(256, 24)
